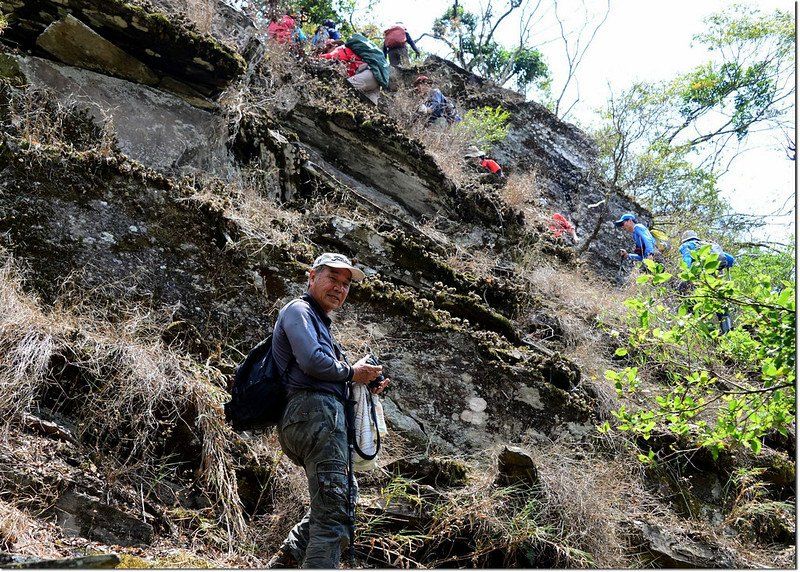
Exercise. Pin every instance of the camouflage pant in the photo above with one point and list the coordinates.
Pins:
(313, 435)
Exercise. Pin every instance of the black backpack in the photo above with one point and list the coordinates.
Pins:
(258, 396)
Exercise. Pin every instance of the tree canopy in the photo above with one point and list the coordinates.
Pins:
(472, 40)
(668, 143)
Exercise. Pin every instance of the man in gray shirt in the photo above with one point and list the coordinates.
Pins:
(313, 432)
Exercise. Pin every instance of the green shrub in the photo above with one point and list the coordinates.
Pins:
(485, 126)
(721, 389)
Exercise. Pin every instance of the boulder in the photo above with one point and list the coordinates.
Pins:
(80, 515)
(159, 129)
(677, 549)
(515, 465)
(165, 46)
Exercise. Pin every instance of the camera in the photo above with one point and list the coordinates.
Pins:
(373, 360)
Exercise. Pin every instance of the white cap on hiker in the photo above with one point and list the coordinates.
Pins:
(338, 261)
(473, 152)
(689, 235)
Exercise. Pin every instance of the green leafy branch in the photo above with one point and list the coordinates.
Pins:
(717, 390)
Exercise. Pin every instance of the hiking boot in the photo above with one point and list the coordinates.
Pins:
(282, 559)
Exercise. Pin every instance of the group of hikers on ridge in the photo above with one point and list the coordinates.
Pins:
(645, 248)
(645, 244)
(367, 70)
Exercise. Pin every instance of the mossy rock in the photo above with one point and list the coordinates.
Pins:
(435, 472)
(10, 72)
(768, 522)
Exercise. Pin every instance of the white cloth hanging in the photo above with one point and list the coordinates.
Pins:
(366, 430)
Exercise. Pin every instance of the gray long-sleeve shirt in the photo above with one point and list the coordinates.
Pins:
(303, 330)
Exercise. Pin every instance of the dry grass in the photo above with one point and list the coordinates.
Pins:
(523, 191)
(23, 534)
(446, 145)
(14, 524)
(250, 201)
(40, 119)
(268, 87)
(476, 261)
(135, 389)
(584, 309)
(201, 12)
(581, 301)
(26, 345)
(587, 497)
(569, 518)
(288, 498)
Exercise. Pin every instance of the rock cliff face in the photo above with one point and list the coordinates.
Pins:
(179, 144)
(116, 222)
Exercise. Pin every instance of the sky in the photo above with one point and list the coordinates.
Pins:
(647, 40)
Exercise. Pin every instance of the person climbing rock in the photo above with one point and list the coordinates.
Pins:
(359, 74)
(690, 242)
(439, 110)
(325, 32)
(561, 227)
(644, 243)
(395, 42)
(479, 158)
(287, 30)
(346, 55)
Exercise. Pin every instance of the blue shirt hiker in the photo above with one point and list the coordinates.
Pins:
(644, 243)
(690, 241)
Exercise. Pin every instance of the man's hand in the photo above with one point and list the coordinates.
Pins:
(364, 372)
(380, 387)
(623, 253)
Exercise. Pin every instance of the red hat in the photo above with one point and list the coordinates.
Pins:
(422, 79)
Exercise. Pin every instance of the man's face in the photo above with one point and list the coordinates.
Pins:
(329, 287)
(628, 225)
(423, 88)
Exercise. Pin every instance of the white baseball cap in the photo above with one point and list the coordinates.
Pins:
(339, 261)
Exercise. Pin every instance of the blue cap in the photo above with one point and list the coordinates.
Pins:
(623, 218)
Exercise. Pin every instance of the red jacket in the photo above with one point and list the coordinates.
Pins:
(561, 225)
(491, 165)
(282, 30)
(345, 54)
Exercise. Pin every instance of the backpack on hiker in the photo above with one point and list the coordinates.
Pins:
(450, 112)
(372, 56)
(715, 247)
(394, 37)
(663, 243)
(725, 260)
(258, 396)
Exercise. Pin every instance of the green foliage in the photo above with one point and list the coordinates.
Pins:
(3, 23)
(755, 264)
(718, 390)
(485, 126)
(470, 38)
